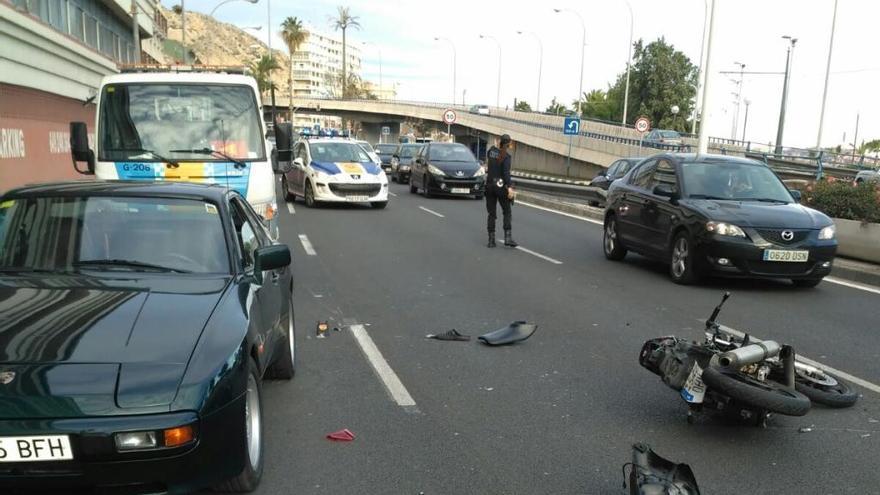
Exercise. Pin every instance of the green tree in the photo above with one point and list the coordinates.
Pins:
(869, 147)
(597, 105)
(556, 107)
(343, 21)
(262, 72)
(293, 35)
(522, 106)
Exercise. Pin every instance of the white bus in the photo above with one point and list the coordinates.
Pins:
(185, 123)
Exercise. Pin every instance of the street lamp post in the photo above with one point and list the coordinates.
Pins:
(629, 50)
(380, 64)
(739, 92)
(746, 121)
(454, 63)
(498, 90)
(540, 65)
(827, 73)
(183, 30)
(780, 130)
(224, 2)
(703, 143)
(583, 44)
(701, 74)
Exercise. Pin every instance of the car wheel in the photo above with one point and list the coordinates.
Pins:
(807, 283)
(683, 263)
(252, 441)
(379, 204)
(284, 366)
(412, 187)
(614, 250)
(309, 195)
(286, 188)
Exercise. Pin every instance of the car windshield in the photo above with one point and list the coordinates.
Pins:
(67, 234)
(670, 135)
(386, 149)
(338, 152)
(409, 151)
(733, 181)
(450, 153)
(138, 121)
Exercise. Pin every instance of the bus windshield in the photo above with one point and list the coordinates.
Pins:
(148, 122)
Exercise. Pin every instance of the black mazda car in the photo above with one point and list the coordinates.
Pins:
(717, 215)
(448, 169)
(137, 321)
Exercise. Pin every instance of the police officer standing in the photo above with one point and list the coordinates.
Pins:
(499, 190)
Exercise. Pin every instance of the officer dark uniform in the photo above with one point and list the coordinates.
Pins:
(498, 188)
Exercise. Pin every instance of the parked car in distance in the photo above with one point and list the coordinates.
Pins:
(401, 162)
(386, 152)
(718, 215)
(480, 109)
(616, 170)
(662, 137)
(139, 320)
(868, 176)
(447, 169)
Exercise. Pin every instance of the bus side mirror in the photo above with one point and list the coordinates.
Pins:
(79, 148)
(284, 141)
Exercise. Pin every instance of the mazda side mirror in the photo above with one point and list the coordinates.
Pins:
(270, 258)
(284, 141)
(795, 194)
(79, 148)
(665, 190)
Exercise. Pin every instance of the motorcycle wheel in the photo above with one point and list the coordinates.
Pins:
(767, 395)
(837, 396)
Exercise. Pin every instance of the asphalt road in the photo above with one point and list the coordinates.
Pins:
(558, 413)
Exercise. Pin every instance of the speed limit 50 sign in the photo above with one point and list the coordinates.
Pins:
(643, 124)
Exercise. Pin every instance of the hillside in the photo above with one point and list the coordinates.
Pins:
(217, 43)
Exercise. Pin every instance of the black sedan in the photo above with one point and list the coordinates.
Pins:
(616, 170)
(402, 160)
(385, 152)
(137, 321)
(717, 215)
(447, 169)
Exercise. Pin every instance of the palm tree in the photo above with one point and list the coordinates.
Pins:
(262, 70)
(343, 21)
(293, 34)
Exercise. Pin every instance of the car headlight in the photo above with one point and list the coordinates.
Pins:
(434, 170)
(157, 439)
(725, 229)
(480, 172)
(827, 233)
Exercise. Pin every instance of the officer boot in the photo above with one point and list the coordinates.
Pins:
(508, 239)
(491, 242)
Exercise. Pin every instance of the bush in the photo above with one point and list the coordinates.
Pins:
(840, 199)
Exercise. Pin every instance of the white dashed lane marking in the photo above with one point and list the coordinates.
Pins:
(307, 245)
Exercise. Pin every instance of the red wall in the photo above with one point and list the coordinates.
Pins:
(35, 135)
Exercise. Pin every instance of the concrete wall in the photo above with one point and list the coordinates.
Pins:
(858, 240)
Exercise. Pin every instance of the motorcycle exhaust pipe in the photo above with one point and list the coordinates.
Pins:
(750, 354)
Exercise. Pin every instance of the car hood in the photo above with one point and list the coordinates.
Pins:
(347, 168)
(75, 346)
(452, 169)
(761, 215)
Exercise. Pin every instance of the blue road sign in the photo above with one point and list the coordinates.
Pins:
(572, 126)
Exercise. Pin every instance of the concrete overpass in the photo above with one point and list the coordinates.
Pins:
(541, 146)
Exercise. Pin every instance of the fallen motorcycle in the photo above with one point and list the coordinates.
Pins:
(741, 377)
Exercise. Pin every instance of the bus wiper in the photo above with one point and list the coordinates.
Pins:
(173, 163)
(129, 264)
(208, 151)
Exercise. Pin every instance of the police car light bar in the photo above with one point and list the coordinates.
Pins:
(215, 69)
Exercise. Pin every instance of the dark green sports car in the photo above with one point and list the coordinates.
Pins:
(137, 321)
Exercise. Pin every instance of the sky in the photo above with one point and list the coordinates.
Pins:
(746, 31)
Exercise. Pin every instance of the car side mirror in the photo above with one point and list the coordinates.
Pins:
(795, 194)
(602, 173)
(665, 190)
(299, 162)
(284, 141)
(270, 258)
(79, 148)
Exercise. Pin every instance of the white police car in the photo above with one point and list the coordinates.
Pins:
(334, 170)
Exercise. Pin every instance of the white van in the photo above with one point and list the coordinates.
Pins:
(184, 123)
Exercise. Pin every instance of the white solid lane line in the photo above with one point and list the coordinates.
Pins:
(291, 209)
(854, 285)
(432, 212)
(392, 194)
(383, 369)
(307, 245)
(834, 280)
(569, 215)
(539, 255)
(840, 374)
